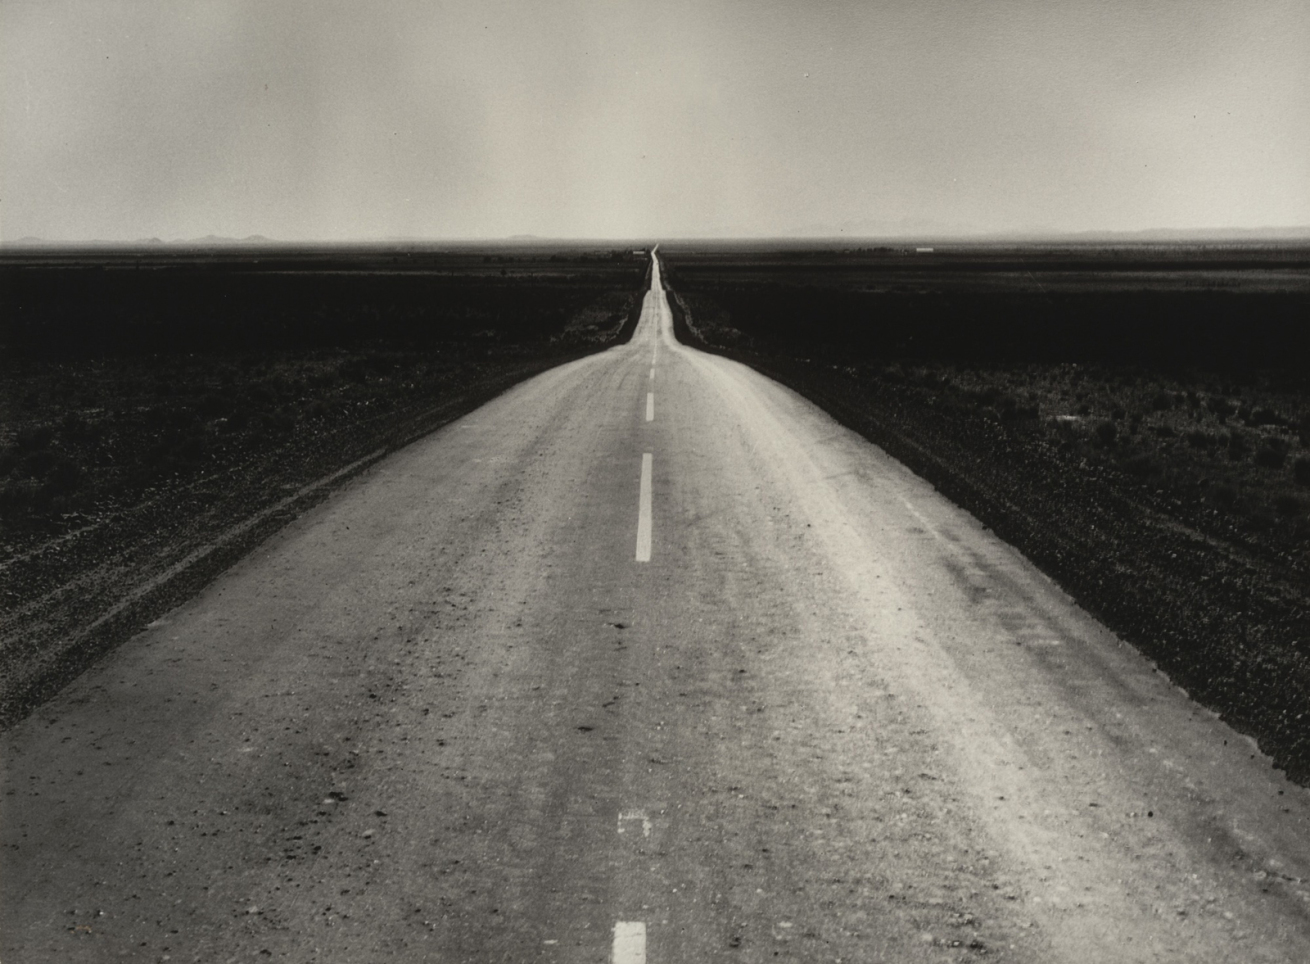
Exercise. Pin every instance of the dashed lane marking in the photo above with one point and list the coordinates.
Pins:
(629, 942)
(650, 406)
(634, 815)
(643, 511)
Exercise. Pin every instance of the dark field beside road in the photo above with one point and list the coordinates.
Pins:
(1135, 420)
(162, 413)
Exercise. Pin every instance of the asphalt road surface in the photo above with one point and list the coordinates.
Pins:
(646, 660)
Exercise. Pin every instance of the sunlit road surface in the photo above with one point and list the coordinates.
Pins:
(646, 660)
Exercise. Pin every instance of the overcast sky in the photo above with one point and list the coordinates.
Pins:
(323, 121)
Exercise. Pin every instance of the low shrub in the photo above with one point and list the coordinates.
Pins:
(1224, 495)
(1143, 465)
(1301, 470)
(279, 423)
(192, 450)
(63, 477)
(37, 464)
(1106, 433)
(1289, 506)
(1271, 454)
(74, 427)
(1266, 416)
(17, 495)
(34, 438)
(1014, 409)
(1220, 406)
(983, 396)
(212, 405)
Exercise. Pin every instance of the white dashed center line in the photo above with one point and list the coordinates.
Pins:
(650, 406)
(629, 943)
(643, 512)
(635, 815)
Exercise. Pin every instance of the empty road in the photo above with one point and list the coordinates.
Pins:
(647, 660)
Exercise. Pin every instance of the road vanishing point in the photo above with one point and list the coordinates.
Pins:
(646, 660)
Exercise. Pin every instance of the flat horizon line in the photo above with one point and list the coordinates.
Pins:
(1167, 235)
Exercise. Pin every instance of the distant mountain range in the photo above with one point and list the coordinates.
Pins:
(875, 228)
(213, 239)
(928, 229)
(1174, 235)
(909, 228)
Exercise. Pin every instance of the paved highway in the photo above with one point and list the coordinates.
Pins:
(647, 660)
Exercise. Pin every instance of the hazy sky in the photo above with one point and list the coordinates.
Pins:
(318, 120)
